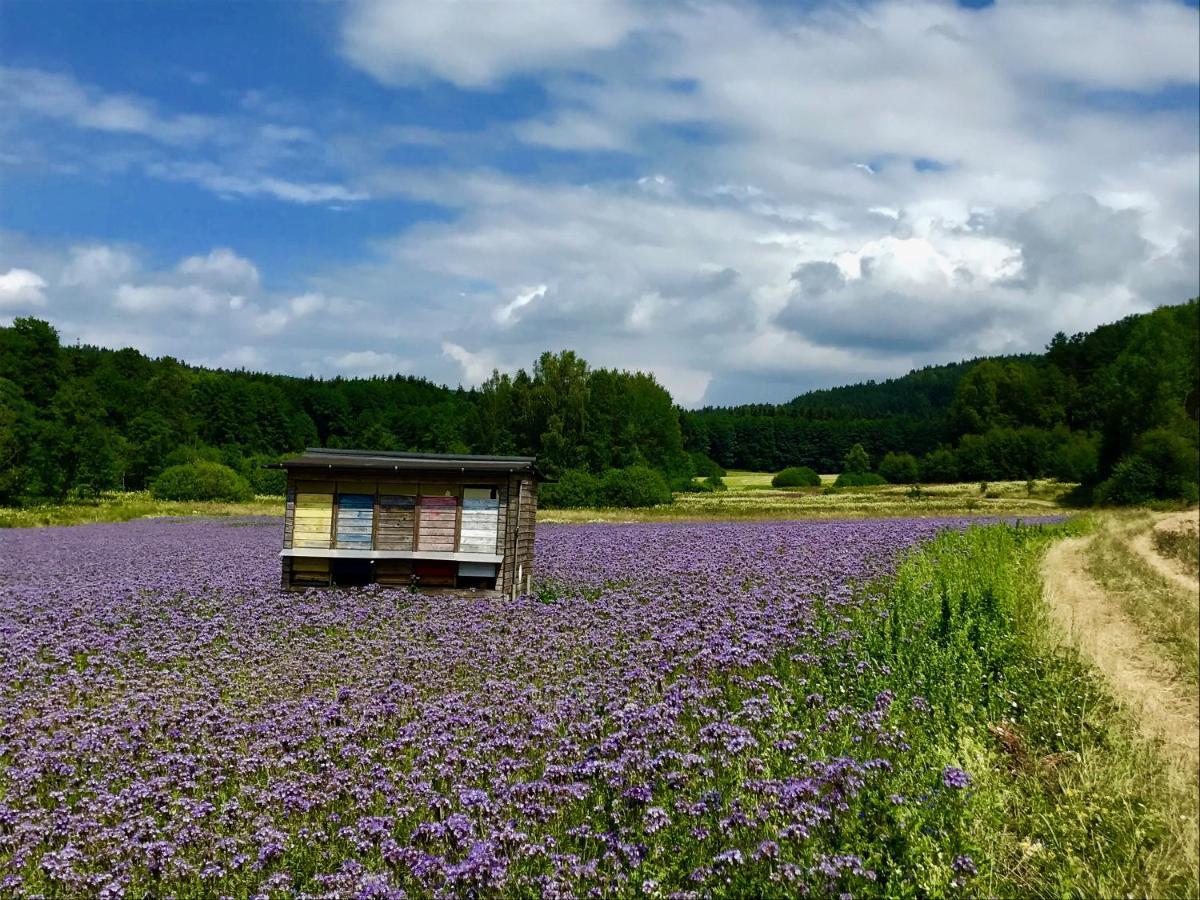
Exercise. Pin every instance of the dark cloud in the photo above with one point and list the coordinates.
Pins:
(1073, 240)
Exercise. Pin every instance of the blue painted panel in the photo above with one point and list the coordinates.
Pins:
(481, 504)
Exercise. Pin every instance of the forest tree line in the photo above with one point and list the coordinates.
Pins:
(1118, 402)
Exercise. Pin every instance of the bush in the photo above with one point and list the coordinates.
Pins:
(190, 454)
(634, 486)
(858, 479)
(574, 489)
(263, 480)
(900, 468)
(796, 476)
(201, 480)
(685, 485)
(939, 467)
(1162, 467)
(857, 462)
(705, 467)
(715, 483)
(1076, 458)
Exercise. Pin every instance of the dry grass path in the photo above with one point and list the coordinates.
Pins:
(1169, 569)
(1166, 707)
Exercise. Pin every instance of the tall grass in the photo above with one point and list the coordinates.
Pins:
(1067, 800)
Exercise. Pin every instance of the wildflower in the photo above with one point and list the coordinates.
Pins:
(655, 819)
(954, 777)
(731, 857)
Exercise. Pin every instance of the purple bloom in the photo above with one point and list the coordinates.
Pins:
(731, 857)
(954, 777)
(171, 718)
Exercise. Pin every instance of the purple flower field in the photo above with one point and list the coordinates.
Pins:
(670, 714)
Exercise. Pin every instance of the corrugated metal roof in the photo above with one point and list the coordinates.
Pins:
(327, 458)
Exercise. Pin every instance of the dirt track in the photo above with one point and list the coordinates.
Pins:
(1168, 569)
(1166, 709)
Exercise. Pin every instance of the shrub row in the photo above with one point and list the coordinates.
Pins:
(628, 487)
(796, 476)
(201, 480)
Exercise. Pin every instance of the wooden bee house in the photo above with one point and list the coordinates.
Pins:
(398, 519)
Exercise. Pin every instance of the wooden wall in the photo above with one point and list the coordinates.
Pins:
(435, 512)
(520, 521)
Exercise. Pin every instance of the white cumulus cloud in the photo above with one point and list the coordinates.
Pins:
(221, 265)
(22, 288)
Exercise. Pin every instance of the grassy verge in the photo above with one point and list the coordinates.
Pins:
(1066, 799)
(1162, 613)
(121, 507)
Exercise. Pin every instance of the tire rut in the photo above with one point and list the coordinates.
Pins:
(1142, 682)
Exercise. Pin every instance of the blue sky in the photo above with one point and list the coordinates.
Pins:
(746, 200)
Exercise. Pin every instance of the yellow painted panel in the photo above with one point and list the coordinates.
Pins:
(315, 532)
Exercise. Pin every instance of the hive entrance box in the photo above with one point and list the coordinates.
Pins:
(358, 517)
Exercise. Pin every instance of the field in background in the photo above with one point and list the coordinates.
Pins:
(750, 496)
(124, 506)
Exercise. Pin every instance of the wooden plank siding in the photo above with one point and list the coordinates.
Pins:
(526, 524)
(313, 519)
(437, 520)
(397, 521)
(394, 573)
(479, 520)
(355, 515)
(309, 572)
(436, 513)
(289, 516)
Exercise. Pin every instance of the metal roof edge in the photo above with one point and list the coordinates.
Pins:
(328, 458)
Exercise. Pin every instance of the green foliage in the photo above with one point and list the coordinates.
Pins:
(264, 481)
(1072, 413)
(859, 479)
(82, 419)
(1076, 457)
(682, 484)
(796, 476)
(705, 467)
(574, 417)
(940, 466)
(634, 486)
(1162, 466)
(900, 468)
(1065, 798)
(857, 461)
(574, 489)
(201, 480)
(715, 483)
